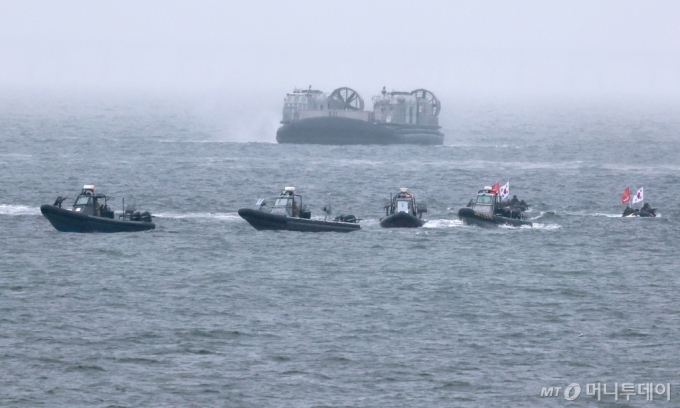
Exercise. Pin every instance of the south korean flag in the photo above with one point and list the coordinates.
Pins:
(638, 196)
(505, 191)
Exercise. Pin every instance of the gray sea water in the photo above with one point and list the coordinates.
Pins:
(207, 311)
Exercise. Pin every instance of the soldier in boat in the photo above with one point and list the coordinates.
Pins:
(645, 211)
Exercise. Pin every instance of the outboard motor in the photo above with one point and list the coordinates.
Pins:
(132, 214)
(346, 218)
(422, 208)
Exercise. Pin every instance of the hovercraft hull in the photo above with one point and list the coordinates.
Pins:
(401, 220)
(332, 130)
(68, 221)
(472, 217)
(261, 220)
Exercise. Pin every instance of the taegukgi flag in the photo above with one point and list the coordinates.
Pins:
(625, 197)
(505, 191)
(638, 196)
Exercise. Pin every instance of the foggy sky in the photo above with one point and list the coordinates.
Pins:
(475, 47)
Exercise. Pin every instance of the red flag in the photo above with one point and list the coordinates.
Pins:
(496, 188)
(625, 197)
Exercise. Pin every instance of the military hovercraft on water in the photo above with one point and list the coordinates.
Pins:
(89, 215)
(288, 213)
(314, 117)
(403, 212)
(488, 211)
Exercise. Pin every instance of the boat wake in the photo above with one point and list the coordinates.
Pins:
(443, 223)
(541, 214)
(212, 216)
(607, 215)
(369, 222)
(546, 217)
(538, 225)
(601, 215)
(18, 210)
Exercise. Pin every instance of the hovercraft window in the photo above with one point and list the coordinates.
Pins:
(82, 200)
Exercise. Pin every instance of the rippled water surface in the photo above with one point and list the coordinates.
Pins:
(207, 311)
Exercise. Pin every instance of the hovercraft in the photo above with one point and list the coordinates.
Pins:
(403, 212)
(289, 214)
(314, 117)
(645, 211)
(88, 215)
(489, 211)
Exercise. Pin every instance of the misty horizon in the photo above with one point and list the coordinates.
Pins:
(485, 49)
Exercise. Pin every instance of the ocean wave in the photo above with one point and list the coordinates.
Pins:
(482, 145)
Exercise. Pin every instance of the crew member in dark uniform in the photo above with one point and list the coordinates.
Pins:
(97, 208)
(296, 210)
(648, 209)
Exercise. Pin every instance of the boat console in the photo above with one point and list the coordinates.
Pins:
(88, 203)
(487, 201)
(402, 211)
(405, 202)
(288, 204)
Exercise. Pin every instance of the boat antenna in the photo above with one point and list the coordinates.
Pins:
(327, 210)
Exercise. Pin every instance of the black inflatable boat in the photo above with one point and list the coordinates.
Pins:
(88, 215)
(488, 211)
(403, 212)
(645, 211)
(289, 214)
